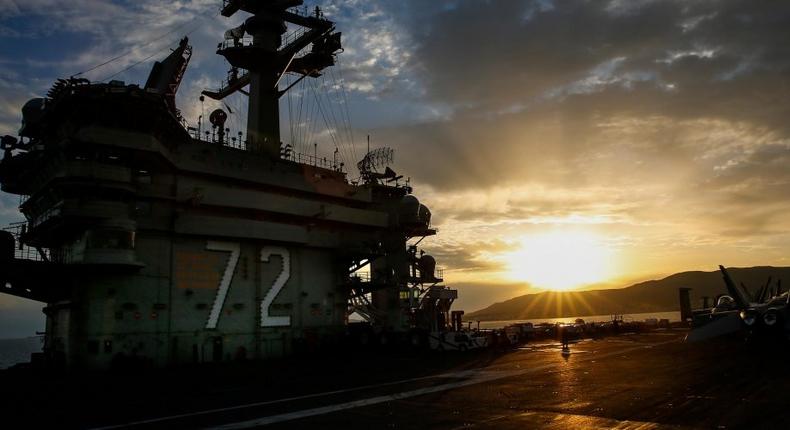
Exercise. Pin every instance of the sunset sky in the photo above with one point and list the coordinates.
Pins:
(559, 144)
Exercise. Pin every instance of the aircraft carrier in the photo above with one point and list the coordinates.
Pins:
(165, 252)
(159, 243)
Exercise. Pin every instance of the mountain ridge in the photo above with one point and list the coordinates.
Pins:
(657, 295)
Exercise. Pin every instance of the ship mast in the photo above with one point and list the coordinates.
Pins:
(265, 59)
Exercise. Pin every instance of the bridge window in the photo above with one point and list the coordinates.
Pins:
(111, 239)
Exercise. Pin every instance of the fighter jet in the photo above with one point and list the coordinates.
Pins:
(756, 315)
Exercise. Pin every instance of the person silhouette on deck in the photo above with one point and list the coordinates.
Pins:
(564, 337)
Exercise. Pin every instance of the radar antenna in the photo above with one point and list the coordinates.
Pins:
(379, 157)
(373, 161)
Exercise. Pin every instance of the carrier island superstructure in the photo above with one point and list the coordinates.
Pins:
(152, 242)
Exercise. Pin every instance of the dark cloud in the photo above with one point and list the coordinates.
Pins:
(468, 256)
(487, 55)
(669, 113)
(527, 82)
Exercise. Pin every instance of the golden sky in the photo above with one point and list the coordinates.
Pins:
(559, 144)
(594, 144)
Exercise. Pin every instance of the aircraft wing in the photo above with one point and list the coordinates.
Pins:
(725, 324)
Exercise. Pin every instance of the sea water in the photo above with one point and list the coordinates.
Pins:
(671, 316)
(13, 351)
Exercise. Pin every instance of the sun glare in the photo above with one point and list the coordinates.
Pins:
(560, 260)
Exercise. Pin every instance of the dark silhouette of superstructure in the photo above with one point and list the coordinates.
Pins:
(152, 242)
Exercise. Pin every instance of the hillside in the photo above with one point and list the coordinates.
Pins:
(650, 296)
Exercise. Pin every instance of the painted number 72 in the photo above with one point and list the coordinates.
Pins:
(227, 277)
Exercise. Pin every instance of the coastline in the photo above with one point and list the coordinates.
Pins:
(672, 316)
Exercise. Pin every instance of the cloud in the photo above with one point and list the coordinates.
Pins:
(14, 96)
(94, 31)
(666, 120)
(468, 256)
(660, 125)
(483, 57)
(377, 49)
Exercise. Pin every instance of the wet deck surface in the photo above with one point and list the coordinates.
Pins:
(641, 381)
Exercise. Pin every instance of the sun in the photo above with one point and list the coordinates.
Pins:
(560, 260)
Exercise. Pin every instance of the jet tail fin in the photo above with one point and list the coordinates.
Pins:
(685, 304)
(765, 292)
(736, 293)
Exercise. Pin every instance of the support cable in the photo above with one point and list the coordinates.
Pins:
(348, 109)
(345, 117)
(321, 111)
(340, 141)
(150, 56)
(151, 41)
(344, 144)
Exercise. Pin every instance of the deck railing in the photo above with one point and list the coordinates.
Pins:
(234, 142)
(312, 160)
(22, 251)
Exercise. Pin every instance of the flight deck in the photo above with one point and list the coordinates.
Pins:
(646, 381)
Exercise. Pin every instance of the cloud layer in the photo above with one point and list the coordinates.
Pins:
(659, 125)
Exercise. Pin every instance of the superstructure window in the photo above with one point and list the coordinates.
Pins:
(111, 239)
